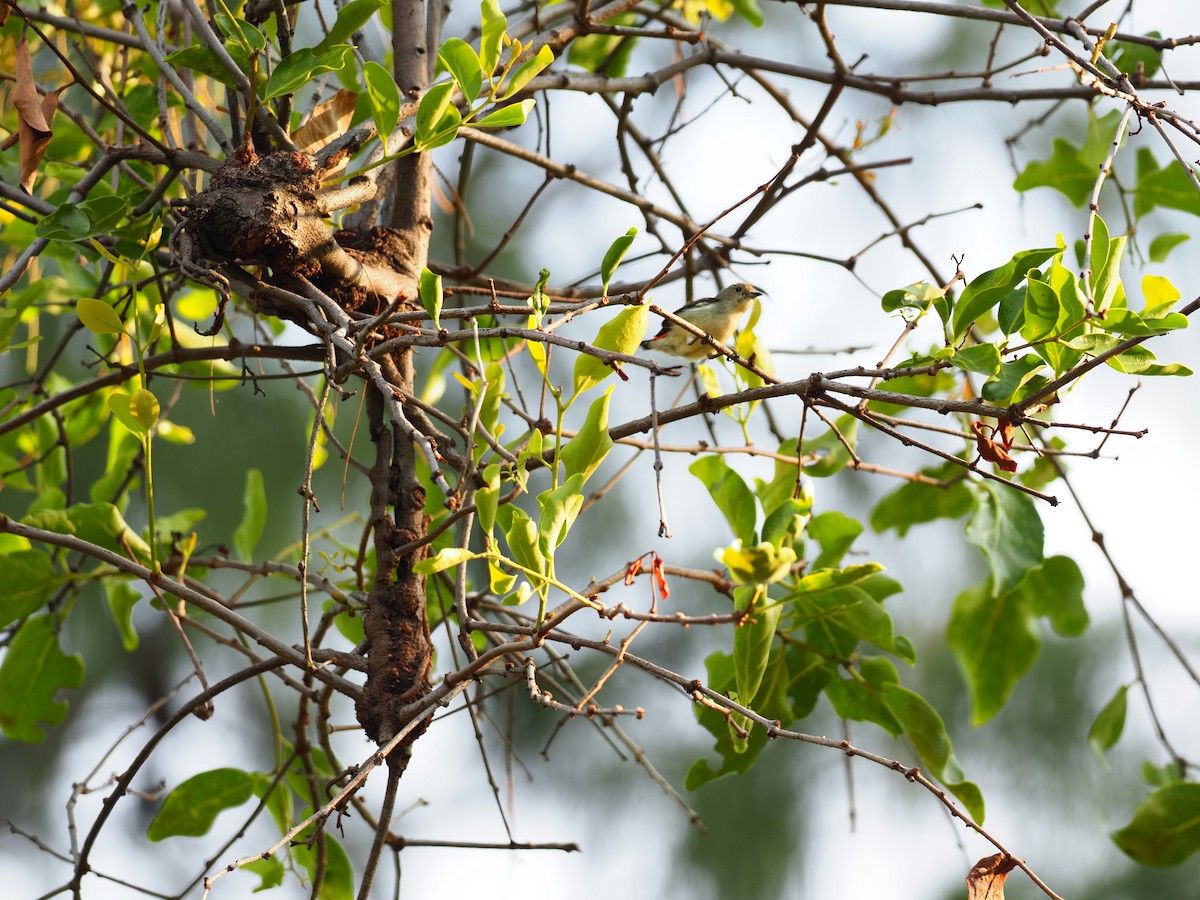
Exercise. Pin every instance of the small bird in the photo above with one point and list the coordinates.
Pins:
(718, 315)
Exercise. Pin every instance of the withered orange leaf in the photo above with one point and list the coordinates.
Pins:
(1007, 433)
(660, 577)
(990, 450)
(986, 878)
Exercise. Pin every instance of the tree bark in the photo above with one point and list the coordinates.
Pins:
(397, 623)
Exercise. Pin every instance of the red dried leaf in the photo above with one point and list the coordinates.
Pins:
(660, 577)
(1007, 433)
(986, 878)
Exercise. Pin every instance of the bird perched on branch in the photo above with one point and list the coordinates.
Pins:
(718, 315)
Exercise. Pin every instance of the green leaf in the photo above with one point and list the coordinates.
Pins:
(144, 408)
(583, 454)
(1106, 729)
(807, 674)
(98, 317)
(99, 523)
(1141, 361)
(494, 27)
(254, 515)
(200, 59)
(774, 493)
(1013, 376)
(733, 498)
(29, 580)
(1161, 246)
(67, 223)
(1106, 265)
(1128, 323)
(105, 213)
(297, 69)
(1165, 829)
(786, 521)
(991, 287)
(737, 755)
(621, 334)
(384, 97)
(522, 537)
(121, 599)
(925, 728)
(34, 670)
(913, 385)
(446, 558)
(121, 405)
(433, 106)
(1160, 296)
(1072, 169)
(1065, 171)
(852, 699)
(431, 295)
(1169, 187)
(836, 620)
(914, 296)
(995, 640)
(1157, 776)
(443, 132)
(241, 32)
(607, 53)
(749, 10)
(338, 883)
(915, 502)
(762, 564)
(269, 871)
(615, 253)
(507, 116)
(350, 19)
(1010, 313)
(1042, 310)
(983, 359)
(193, 806)
(753, 639)
(529, 70)
(837, 455)
(835, 532)
(462, 62)
(1007, 528)
(1055, 590)
(487, 498)
(560, 506)
(1129, 57)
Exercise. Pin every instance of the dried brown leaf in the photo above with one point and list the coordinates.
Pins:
(33, 130)
(328, 121)
(990, 450)
(986, 878)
